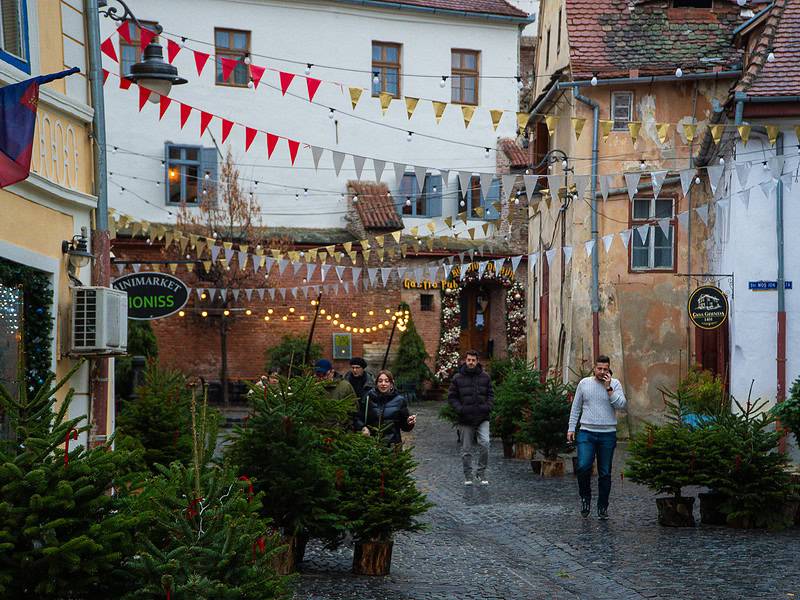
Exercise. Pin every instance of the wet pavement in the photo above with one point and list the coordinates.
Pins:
(522, 538)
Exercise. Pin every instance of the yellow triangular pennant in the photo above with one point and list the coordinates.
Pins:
(182, 243)
(415, 230)
(411, 105)
(633, 128)
(348, 246)
(471, 232)
(662, 131)
(193, 239)
(168, 239)
(744, 133)
(355, 96)
(605, 128)
(323, 256)
(716, 132)
(577, 126)
(200, 246)
(207, 265)
(689, 131)
(448, 221)
(173, 267)
(522, 121)
(365, 244)
(190, 267)
(396, 235)
(365, 254)
(227, 245)
(438, 109)
(431, 225)
(479, 210)
(379, 240)
(772, 134)
(552, 122)
(468, 112)
(380, 254)
(429, 243)
(485, 228)
(386, 100)
(330, 249)
(463, 216)
(496, 116)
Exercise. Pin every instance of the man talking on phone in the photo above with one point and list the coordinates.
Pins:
(596, 400)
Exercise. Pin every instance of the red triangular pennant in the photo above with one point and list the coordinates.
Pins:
(249, 136)
(272, 141)
(124, 31)
(186, 110)
(286, 80)
(172, 50)
(226, 129)
(105, 76)
(313, 86)
(164, 102)
(228, 65)
(107, 47)
(200, 59)
(145, 37)
(205, 119)
(144, 96)
(293, 148)
(256, 73)
(124, 83)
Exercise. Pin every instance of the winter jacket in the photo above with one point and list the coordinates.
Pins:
(339, 389)
(379, 410)
(471, 395)
(361, 385)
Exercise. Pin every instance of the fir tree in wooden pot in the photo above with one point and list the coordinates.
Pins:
(410, 367)
(378, 498)
(547, 424)
(516, 384)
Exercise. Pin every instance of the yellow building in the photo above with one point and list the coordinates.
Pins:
(53, 204)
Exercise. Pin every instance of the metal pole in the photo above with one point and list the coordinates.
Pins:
(781, 349)
(389, 345)
(311, 333)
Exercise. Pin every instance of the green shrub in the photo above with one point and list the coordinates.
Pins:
(513, 397)
(545, 425)
(663, 457)
(701, 392)
(287, 357)
(788, 411)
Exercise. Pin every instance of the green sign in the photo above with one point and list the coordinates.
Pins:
(152, 295)
(342, 346)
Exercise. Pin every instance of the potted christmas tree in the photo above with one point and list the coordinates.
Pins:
(518, 385)
(410, 368)
(378, 498)
(546, 425)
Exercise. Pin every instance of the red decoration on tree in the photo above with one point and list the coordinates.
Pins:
(186, 110)
(72, 434)
(168, 591)
(172, 50)
(339, 478)
(144, 96)
(286, 80)
(105, 76)
(124, 83)
(190, 511)
(312, 85)
(200, 59)
(226, 129)
(205, 119)
(145, 37)
(228, 65)
(249, 487)
(124, 31)
(293, 147)
(383, 479)
(272, 141)
(163, 103)
(107, 48)
(257, 73)
(260, 545)
(249, 136)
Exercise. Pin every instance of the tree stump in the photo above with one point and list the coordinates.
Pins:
(284, 562)
(553, 468)
(372, 558)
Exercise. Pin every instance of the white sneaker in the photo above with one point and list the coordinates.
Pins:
(484, 482)
(468, 482)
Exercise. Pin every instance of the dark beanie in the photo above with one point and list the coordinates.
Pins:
(359, 362)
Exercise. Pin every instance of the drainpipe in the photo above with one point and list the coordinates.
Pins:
(595, 255)
(781, 278)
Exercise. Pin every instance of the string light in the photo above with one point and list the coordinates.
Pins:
(520, 85)
(678, 72)
(376, 78)
(408, 137)
(594, 80)
(771, 56)
(331, 114)
(443, 82)
(308, 68)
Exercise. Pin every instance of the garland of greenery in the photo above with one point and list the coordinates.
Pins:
(37, 299)
(515, 319)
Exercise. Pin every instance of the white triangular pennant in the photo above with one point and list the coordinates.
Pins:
(665, 226)
(248, 292)
(589, 247)
(581, 183)
(120, 267)
(386, 272)
(743, 172)
(625, 236)
(788, 181)
(200, 292)
(379, 166)
(268, 262)
(549, 256)
(605, 184)
(702, 212)
(445, 173)
(607, 241)
(643, 231)
(714, 174)
(767, 187)
(658, 177)
(282, 265)
(515, 260)
(776, 166)
(683, 219)
(356, 274)
(686, 176)
(508, 182)
(530, 185)
(243, 256)
(372, 273)
(567, 254)
(323, 271)
(228, 255)
(296, 266)
(338, 161)
(310, 268)
(235, 293)
(399, 171)
(532, 258)
(271, 294)
(358, 163)
(215, 252)
(486, 184)
(316, 154)
(464, 178)
(419, 175)
(223, 294)
(211, 293)
(632, 182)
(339, 272)
(554, 183)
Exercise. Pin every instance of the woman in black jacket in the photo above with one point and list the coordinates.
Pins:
(383, 408)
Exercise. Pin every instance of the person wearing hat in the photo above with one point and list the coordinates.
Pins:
(358, 377)
(336, 387)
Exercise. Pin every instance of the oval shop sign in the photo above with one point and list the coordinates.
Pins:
(152, 295)
(708, 307)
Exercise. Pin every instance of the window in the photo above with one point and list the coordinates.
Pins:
(464, 74)
(386, 64)
(416, 204)
(426, 302)
(656, 251)
(231, 43)
(474, 199)
(130, 54)
(621, 109)
(14, 34)
(191, 174)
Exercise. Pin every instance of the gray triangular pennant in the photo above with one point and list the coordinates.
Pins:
(665, 226)
(243, 256)
(683, 219)
(356, 273)
(486, 184)
(589, 247)
(339, 272)
(776, 166)
(268, 262)
(338, 161)
(215, 252)
(282, 265)
(581, 183)
(379, 166)
(607, 241)
(642, 231)
(767, 187)
(498, 265)
(297, 266)
(316, 154)
(625, 236)
(447, 269)
(567, 254)
(372, 273)
(294, 292)
(120, 267)
(787, 181)
(358, 163)
(530, 185)
(399, 171)
(211, 293)
(235, 293)
(632, 183)
(686, 176)
(401, 271)
(702, 212)
(508, 182)
(515, 260)
(658, 177)
(310, 268)
(386, 272)
(743, 172)
(481, 268)
(419, 175)
(223, 294)
(605, 184)
(714, 174)
(464, 178)
(200, 292)
(228, 255)
(248, 292)
(532, 258)
(445, 173)
(271, 294)
(549, 256)
(323, 271)
(554, 183)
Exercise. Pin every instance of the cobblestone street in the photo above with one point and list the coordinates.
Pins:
(522, 538)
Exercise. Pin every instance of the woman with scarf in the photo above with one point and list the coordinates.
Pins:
(384, 409)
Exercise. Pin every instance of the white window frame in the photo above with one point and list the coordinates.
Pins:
(615, 98)
(650, 242)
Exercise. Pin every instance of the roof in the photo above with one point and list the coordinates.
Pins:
(518, 157)
(375, 206)
(612, 37)
(489, 8)
(781, 32)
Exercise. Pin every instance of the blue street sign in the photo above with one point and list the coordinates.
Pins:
(760, 286)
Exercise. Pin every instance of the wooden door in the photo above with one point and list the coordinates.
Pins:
(475, 319)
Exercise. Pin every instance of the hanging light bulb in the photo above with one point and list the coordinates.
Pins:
(181, 313)
(246, 59)
(434, 190)
(771, 56)
(594, 79)
(462, 204)
(721, 161)
(678, 72)
(486, 154)
(376, 78)
(697, 180)
(564, 164)
(443, 82)
(355, 197)
(308, 68)
(183, 42)
(266, 318)
(516, 201)
(408, 137)
(408, 201)
(331, 114)
(642, 165)
(204, 314)
(305, 192)
(248, 312)
(520, 85)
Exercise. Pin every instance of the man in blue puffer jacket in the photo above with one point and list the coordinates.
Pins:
(471, 396)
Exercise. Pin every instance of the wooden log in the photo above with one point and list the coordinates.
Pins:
(372, 558)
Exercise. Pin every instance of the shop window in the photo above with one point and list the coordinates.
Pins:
(191, 174)
(426, 302)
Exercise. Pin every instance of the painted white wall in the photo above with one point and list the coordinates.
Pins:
(319, 33)
(749, 250)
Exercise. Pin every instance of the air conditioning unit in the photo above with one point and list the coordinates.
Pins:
(99, 321)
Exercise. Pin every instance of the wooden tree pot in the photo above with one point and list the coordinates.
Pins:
(508, 449)
(710, 509)
(548, 468)
(285, 561)
(675, 512)
(524, 451)
(372, 558)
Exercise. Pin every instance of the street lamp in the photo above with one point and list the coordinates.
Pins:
(77, 250)
(151, 72)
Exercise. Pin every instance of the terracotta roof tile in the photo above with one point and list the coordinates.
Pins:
(782, 33)
(518, 157)
(489, 7)
(609, 38)
(375, 207)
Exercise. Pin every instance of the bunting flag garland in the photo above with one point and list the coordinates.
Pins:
(438, 110)
(228, 65)
(662, 131)
(186, 110)
(205, 119)
(226, 129)
(107, 48)
(172, 50)
(249, 136)
(200, 59)
(256, 73)
(577, 126)
(468, 112)
(772, 134)
(163, 105)
(355, 95)
(386, 101)
(312, 85)
(272, 141)
(551, 122)
(411, 105)
(286, 81)
(495, 115)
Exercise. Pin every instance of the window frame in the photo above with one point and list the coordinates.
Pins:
(23, 63)
(459, 73)
(202, 163)
(380, 66)
(427, 195)
(613, 106)
(231, 52)
(135, 43)
(652, 220)
(426, 303)
(485, 203)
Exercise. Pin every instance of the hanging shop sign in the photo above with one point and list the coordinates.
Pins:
(708, 307)
(342, 346)
(152, 295)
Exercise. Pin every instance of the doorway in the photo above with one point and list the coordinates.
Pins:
(712, 350)
(475, 319)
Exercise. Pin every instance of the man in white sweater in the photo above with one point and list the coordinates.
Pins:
(595, 403)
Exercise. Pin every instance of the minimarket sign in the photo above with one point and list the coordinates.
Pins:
(152, 295)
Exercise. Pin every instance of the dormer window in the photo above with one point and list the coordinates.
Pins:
(693, 3)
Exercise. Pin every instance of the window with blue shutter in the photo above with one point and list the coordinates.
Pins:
(412, 202)
(190, 173)
(474, 198)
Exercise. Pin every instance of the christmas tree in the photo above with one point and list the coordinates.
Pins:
(62, 534)
(410, 367)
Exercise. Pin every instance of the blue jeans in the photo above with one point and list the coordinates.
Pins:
(602, 444)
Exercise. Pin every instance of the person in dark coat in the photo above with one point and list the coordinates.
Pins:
(384, 407)
(471, 396)
(358, 377)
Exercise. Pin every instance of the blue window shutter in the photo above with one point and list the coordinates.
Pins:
(208, 162)
(494, 195)
(407, 189)
(434, 198)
